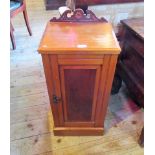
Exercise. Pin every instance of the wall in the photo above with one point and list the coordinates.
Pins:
(112, 12)
(116, 12)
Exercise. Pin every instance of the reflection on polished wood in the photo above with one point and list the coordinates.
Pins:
(70, 38)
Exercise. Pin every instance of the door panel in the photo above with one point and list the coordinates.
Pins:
(79, 87)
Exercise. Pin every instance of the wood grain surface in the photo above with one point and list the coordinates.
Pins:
(72, 37)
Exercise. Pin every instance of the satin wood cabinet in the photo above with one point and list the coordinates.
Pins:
(79, 61)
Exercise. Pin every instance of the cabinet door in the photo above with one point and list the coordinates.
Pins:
(79, 81)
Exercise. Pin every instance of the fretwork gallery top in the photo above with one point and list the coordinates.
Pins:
(84, 38)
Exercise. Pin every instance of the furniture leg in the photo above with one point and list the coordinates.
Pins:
(117, 83)
(27, 22)
(11, 26)
(12, 39)
(141, 138)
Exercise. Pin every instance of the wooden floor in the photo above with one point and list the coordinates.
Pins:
(31, 121)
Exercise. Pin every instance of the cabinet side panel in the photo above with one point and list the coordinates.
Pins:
(106, 80)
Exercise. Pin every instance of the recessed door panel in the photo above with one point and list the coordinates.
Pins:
(79, 86)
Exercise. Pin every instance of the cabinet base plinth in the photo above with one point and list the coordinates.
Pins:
(72, 131)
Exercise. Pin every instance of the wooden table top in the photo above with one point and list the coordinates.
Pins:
(136, 25)
(79, 38)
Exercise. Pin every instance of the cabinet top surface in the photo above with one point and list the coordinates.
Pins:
(135, 24)
(81, 38)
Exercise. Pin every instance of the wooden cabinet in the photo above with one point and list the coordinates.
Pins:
(79, 60)
(130, 67)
